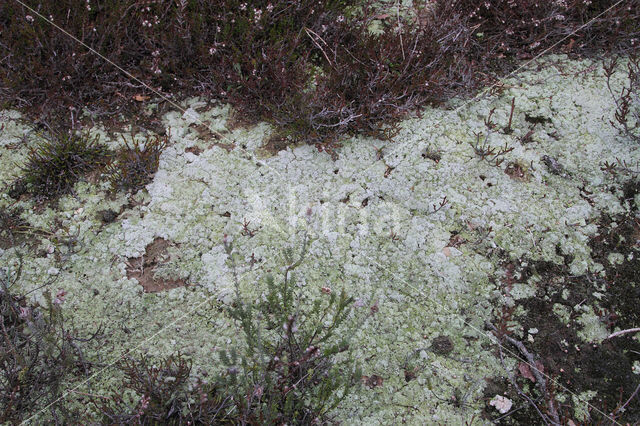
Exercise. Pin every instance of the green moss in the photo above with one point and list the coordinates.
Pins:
(54, 166)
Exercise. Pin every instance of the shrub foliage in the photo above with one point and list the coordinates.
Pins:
(627, 99)
(163, 395)
(296, 366)
(317, 69)
(37, 354)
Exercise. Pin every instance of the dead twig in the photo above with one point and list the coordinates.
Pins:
(509, 129)
(520, 391)
(314, 39)
(621, 332)
(540, 379)
(484, 151)
(635, 392)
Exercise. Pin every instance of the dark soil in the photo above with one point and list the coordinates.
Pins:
(144, 268)
(580, 366)
(12, 228)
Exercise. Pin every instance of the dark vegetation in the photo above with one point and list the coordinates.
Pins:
(313, 68)
(627, 99)
(293, 367)
(55, 165)
(135, 163)
(58, 162)
(12, 227)
(38, 353)
(163, 396)
(557, 347)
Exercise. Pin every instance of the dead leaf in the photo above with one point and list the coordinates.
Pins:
(140, 98)
(525, 371)
(372, 382)
(569, 46)
(410, 374)
(374, 308)
(194, 150)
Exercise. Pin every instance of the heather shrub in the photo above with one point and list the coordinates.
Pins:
(163, 395)
(627, 99)
(262, 52)
(520, 29)
(372, 79)
(37, 354)
(315, 69)
(296, 364)
(293, 364)
(227, 47)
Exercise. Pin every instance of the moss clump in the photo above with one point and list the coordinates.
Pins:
(136, 163)
(56, 164)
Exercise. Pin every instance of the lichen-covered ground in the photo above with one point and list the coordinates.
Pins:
(543, 246)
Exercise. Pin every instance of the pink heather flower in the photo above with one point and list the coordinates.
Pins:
(257, 391)
(59, 300)
(24, 312)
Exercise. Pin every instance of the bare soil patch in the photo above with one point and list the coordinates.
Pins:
(144, 268)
